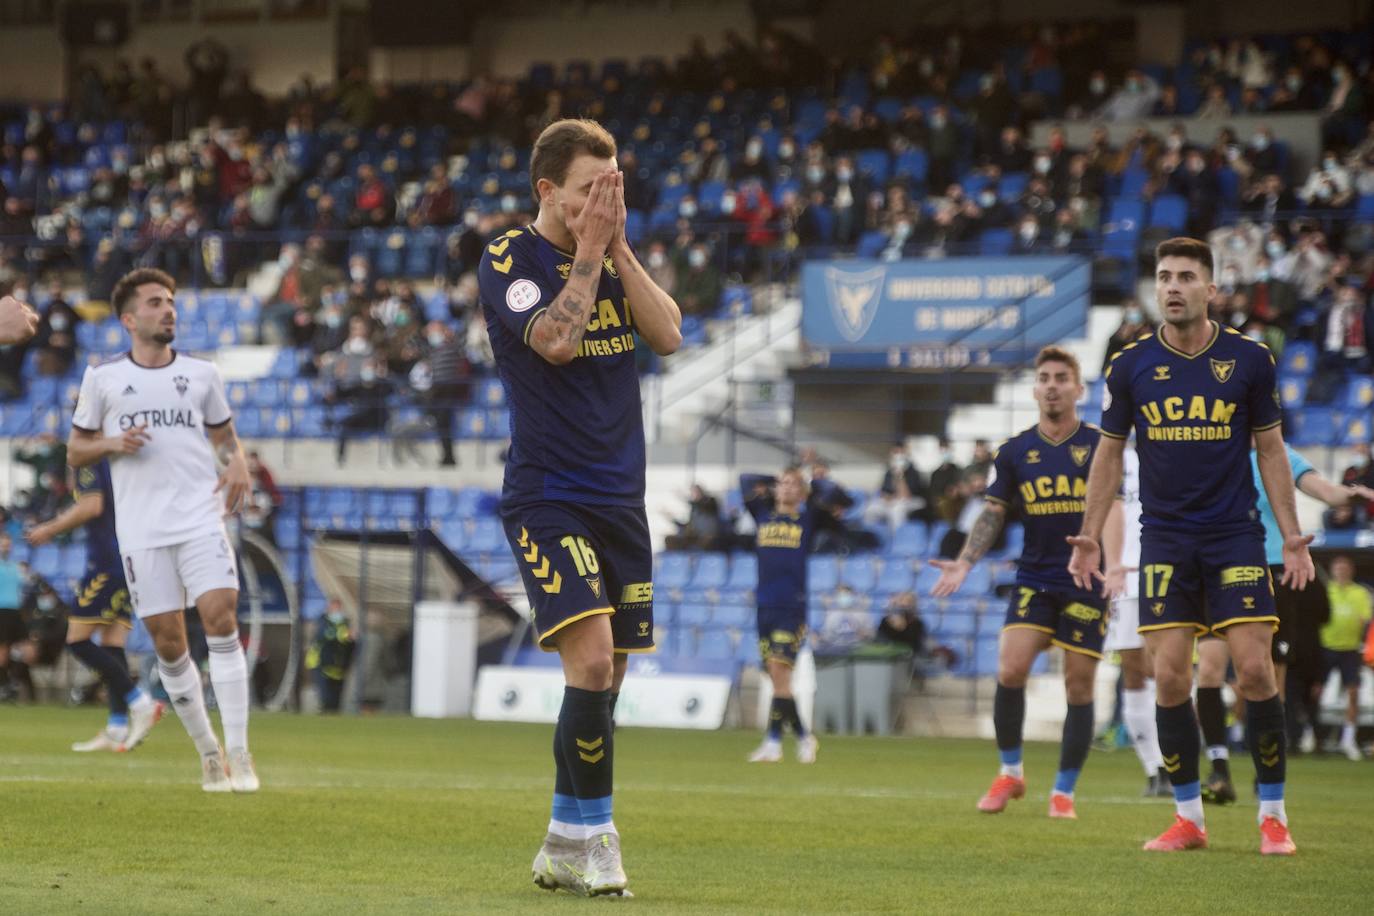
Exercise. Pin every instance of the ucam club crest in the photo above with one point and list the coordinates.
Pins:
(854, 299)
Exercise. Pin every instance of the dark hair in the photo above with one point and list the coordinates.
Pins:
(1059, 355)
(1183, 247)
(129, 283)
(560, 143)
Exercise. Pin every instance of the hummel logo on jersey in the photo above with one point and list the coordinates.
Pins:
(128, 390)
(1162, 374)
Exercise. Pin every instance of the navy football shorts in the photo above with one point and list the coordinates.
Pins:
(782, 628)
(578, 561)
(1076, 621)
(1207, 581)
(102, 598)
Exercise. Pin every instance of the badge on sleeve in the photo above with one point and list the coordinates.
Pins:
(522, 295)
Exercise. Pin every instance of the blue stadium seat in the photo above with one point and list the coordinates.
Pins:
(1169, 211)
(897, 576)
(871, 244)
(694, 615)
(1354, 428)
(1299, 358)
(909, 540)
(954, 625)
(978, 581)
(734, 616)
(716, 645)
(744, 572)
(822, 573)
(712, 571)
(1314, 426)
(926, 577)
(487, 536)
(985, 658)
(492, 392)
(423, 247)
(674, 569)
(913, 163)
(874, 163)
(860, 572)
(1292, 391)
(1358, 393)
(995, 242)
(1012, 185)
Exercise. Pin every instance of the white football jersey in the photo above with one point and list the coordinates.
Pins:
(165, 494)
(1130, 496)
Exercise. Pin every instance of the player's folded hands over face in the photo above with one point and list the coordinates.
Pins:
(595, 225)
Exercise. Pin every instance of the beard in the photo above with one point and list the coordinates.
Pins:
(164, 337)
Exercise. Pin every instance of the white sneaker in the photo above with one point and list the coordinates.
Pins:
(769, 751)
(101, 742)
(806, 749)
(1308, 742)
(1352, 752)
(141, 721)
(605, 875)
(561, 863)
(242, 776)
(213, 776)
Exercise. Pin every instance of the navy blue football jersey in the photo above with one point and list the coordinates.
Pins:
(577, 434)
(1045, 484)
(1193, 416)
(784, 542)
(102, 545)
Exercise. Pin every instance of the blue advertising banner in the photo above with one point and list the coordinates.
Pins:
(942, 313)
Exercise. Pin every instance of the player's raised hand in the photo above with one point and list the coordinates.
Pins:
(236, 484)
(1297, 562)
(38, 535)
(1114, 583)
(130, 442)
(618, 236)
(1085, 563)
(1358, 491)
(952, 575)
(18, 321)
(594, 226)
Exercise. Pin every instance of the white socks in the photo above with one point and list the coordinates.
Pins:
(1138, 712)
(570, 831)
(1192, 810)
(229, 675)
(1348, 735)
(1015, 770)
(181, 680)
(1272, 809)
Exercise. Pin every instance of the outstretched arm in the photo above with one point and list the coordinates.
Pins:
(1333, 494)
(980, 540)
(86, 507)
(1277, 475)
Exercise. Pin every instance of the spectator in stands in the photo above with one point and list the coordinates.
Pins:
(946, 474)
(982, 458)
(962, 510)
(1195, 181)
(703, 526)
(365, 400)
(1347, 331)
(438, 205)
(1239, 247)
(902, 623)
(208, 63)
(1028, 239)
(477, 345)
(1134, 100)
(55, 341)
(661, 268)
(1216, 104)
(943, 149)
(373, 204)
(449, 381)
(699, 283)
(1342, 639)
(1329, 184)
(845, 621)
(901, 495)
(1361, 472)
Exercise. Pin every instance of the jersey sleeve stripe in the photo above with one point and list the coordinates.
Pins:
(1111, 435)
(222, 423)
(529, 324)
(84, 429)
(994, 499)
(1260, 429)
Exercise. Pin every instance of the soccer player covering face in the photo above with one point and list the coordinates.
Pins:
(787, 520)
(149, 413)
(567, 303)
(1041, 476)
(1194, 393)
(102, 606)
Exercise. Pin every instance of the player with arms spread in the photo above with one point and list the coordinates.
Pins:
(787, 520)
(567, 303)
(149, 413)
(102, 605)
(1042, 475)
(1194, 393)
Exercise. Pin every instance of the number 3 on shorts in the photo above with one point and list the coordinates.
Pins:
(1157, 576)
(582, 555)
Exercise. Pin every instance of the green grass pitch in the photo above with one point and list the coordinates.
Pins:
(398, 815)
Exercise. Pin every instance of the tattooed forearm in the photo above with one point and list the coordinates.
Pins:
(984, 533)
(557, 332)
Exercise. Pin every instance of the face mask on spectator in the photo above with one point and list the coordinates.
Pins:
(58, 322)
(47, 603)
(1294, 83)
(1133, 316)
(786, 150)
(1097, 85)
(687, 209)
(657, 259)
(727, 203)
(902, 230)
(436, 338)
(696, 258)
(1028, 231)
(333, 320)
(814, 174)
(1042, 164)
(1330, 163)
(1262, 275)
(937, 121)
(357, 346)
(1274, 248)
(987, 198)
(1260, 142)
(753, 149)
(844, 174)
(844, 600)
(1175, 142)
(368, 374)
